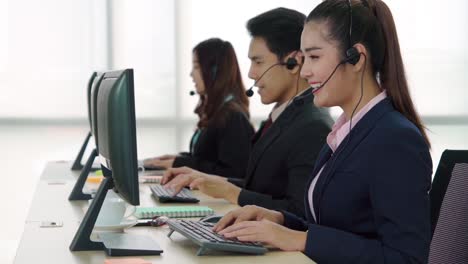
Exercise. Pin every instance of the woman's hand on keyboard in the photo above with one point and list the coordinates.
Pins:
(267, 232)
(178, 178)
(248, 213)
(212, 185)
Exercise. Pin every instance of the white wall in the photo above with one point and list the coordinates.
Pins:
(143, 38)
(48, 50)
(434, 40)
(4, 30)
(51, 48)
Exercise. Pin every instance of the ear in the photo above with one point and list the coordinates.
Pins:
(298, 56)
(363, 58)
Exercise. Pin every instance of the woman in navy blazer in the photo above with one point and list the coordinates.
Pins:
(367, 199)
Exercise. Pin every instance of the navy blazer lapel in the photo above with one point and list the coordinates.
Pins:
(261, 143)
(260, 146)
(322, 158)
(358, 133)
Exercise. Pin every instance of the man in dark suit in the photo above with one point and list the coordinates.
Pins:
(288, 142)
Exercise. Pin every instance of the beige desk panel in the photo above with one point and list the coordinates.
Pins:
(50, 245)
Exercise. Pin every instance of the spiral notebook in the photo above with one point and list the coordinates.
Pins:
(173, 211)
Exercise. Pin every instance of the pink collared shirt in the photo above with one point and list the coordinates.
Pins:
(339, 131)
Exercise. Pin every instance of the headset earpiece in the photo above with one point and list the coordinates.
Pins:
(352, 56)
(290, 63)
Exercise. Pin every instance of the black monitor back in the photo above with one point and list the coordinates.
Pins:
(92, 100)
(117, 132)
(91, 83)
(90, 87)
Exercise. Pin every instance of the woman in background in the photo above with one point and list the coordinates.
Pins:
(221, 142)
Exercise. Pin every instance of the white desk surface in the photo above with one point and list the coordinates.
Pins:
(50, 245)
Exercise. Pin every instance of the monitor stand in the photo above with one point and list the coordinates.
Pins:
(123, 244)
(113, 244)
(77, 163)
(82, 241)
(77, 192)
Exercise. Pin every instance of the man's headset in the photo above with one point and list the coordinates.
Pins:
(290, 64)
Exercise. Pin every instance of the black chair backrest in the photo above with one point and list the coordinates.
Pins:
(449, 209)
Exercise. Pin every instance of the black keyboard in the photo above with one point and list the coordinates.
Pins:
(165, 196)
(201, 234)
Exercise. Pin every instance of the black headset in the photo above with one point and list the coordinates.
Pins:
(290, 64)
(214, 71)
(352, 54)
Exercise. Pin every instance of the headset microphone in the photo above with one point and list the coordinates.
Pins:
(249, 92)
(192, 93)
(329, 77)
(290, 64)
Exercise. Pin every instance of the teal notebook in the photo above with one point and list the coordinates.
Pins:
(173, 211)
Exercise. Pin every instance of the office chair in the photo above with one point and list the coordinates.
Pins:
(449, 209)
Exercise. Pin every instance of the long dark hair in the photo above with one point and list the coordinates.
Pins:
(222, 78)
(374, 27)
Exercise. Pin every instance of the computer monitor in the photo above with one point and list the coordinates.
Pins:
(117, 133)
(116, 141)
(77, 165)
(118, 153)
(77, 191)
